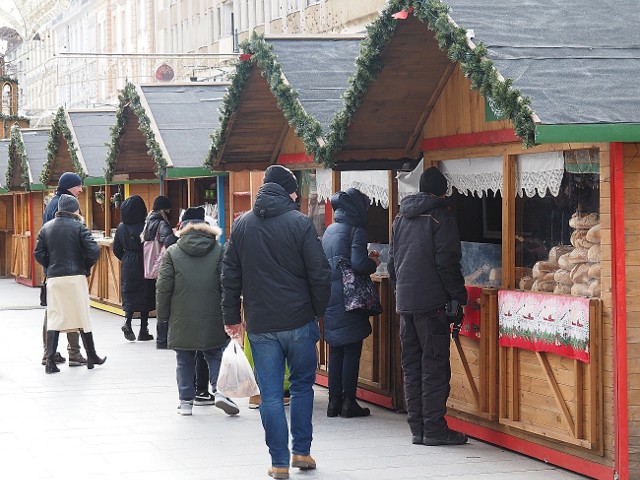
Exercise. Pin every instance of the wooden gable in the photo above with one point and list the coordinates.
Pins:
(133, 161)
(256, 130)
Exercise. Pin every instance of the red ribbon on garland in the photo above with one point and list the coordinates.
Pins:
(403, 14)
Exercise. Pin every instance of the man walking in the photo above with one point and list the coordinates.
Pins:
(69, 184)
(274, 259)
(424, 265)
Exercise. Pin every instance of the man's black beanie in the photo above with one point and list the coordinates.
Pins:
(282, 176)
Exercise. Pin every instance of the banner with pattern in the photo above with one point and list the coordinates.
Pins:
(545, 323)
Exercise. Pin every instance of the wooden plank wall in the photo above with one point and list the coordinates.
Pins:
(292, 144)
(459, 110)
(631, 163)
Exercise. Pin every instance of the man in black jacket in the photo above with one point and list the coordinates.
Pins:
(69, 183)
(274, 259)
(424, 265)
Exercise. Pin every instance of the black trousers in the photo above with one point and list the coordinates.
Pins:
(425, 341)
(202, 373)
(344, 364)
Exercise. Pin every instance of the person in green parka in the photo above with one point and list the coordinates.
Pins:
(188, 295)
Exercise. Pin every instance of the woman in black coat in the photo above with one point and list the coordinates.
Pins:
(158, 224)
(138, 293)
(344, 331)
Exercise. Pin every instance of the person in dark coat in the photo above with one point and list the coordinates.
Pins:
(66, 248)
(158, 223)
(344, 331)
(189, 299)
(424, 266)
(274, 267)
(69, 183)
(138, 293)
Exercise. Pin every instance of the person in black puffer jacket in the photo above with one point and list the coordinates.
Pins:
(424, 265)
(344, 331)
(138, 293)
(67, 250)
(275, 262)
(158, 223)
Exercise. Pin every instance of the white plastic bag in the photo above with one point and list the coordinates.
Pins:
(236, 379)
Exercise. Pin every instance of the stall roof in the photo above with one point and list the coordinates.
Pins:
(27, 154)
(577, 60)
(168, 130)
(4, 162)
(282, 82)
(581, 75)
(77, 142)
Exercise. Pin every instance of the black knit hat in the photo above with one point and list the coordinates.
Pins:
(193, 213)
(161, 203)
(69, 180)
(68, 203)
(282, 176)
(433, 181)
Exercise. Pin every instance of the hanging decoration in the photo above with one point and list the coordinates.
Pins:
(306, 127)
(130, 99)
(60, 128)
(452, 39)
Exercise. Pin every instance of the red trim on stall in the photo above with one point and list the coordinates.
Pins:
(292, 158)
(618, 290)
(549, 455)
(31, 241)
(361, 393)
(491, 137)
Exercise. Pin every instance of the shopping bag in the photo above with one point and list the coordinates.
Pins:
(359, 293)
(236, 378)
(152, 253)
(43, 294)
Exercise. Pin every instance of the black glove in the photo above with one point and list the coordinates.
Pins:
(455, 312)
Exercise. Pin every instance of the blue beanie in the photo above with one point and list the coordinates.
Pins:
(69, 180)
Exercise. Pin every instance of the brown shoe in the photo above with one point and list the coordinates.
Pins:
(279, 472)
(303, 462)
(254, 402)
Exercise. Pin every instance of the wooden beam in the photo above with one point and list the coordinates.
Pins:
(467, 371)
(509, 163)
(491, 137)
(557, 394)
(389, 154)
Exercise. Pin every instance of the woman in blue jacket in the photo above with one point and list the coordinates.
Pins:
(344, 331)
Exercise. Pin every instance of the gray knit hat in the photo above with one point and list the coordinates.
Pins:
(68, 203)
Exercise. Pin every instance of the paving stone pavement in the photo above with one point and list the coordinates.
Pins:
(119, 422)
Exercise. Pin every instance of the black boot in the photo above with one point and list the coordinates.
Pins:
(52, 345)
(144, 334)
(350, 408)
(335, 405)
(126, 328)
(89, 346)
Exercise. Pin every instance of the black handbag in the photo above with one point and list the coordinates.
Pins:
(359, 292)
(43, 294)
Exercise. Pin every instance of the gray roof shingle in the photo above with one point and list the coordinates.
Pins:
(93, 131)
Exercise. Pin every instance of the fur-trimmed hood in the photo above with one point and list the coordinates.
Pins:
(198, 238)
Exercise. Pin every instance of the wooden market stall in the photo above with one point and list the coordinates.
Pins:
(282, 118)
(158, 145)
(27, 154)
(77, 143)
(6, 212)
(545, 365)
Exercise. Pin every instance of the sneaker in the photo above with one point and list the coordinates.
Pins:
(128, 333)
(57, 358)
(254, 402)
(449, 437)
(77, 361)
(185, 407)
(226, 404)
(204, 398)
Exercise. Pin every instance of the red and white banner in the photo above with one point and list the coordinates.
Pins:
(545, 323)
(471, 325)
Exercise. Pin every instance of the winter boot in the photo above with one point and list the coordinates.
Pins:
(89, 346)
(144, 335)
(126, 328)
(350, 408)
(52, 344)
(335, 405)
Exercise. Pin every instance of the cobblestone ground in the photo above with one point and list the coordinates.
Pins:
(119, 422)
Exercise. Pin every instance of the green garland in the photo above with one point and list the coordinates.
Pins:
(306, 127)
(129, 98)
(453, 40)
(17, 152)
(59, 128)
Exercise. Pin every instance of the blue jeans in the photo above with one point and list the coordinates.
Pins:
(270, 350)
(186, 369)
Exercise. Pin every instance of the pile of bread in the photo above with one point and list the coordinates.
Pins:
(571, 269)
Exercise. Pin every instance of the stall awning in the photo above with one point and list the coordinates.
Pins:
(373, 183)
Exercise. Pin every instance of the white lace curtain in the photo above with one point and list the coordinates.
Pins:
(535, 174)
(373, 183)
